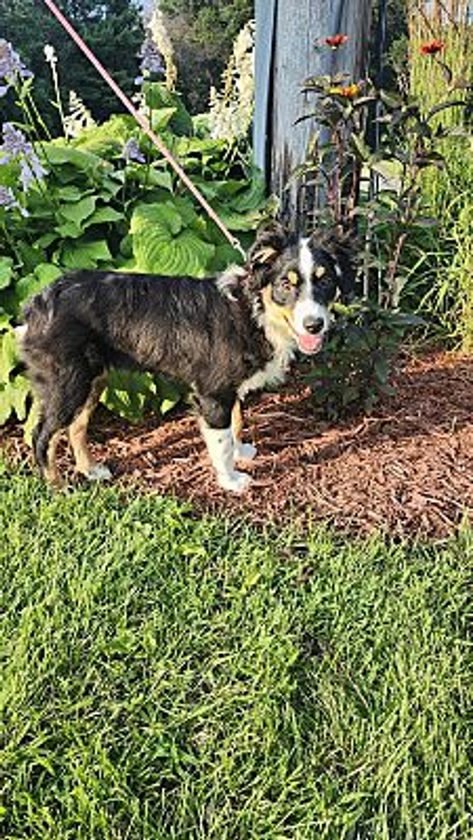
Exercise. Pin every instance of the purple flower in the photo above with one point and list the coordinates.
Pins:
(12, 68)
(16, 146)
(131, 151)
(9, 202)
(14, 143)
(151, 59)
(30, 171)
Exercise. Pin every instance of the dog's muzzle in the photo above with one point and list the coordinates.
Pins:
(310, 341)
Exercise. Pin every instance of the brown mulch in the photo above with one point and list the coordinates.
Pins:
(407, 469)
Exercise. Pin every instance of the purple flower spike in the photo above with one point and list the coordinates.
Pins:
(16, 146)
(12, 68)
(151, 58)
(9, 202)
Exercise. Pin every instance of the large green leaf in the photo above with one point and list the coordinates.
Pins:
(159, 98)
(59, 155)
(251, 198)
(163, 215)
(103, 215)
(84, 254)
(79, 210)
(162, 246)
(238, 221)
(69, 230)
(109, 138)
(161, 118)
(150, 177)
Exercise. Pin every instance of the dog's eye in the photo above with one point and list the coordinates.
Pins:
(290, 281)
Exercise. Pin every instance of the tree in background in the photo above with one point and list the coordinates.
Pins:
(202, 32)
(112, 28)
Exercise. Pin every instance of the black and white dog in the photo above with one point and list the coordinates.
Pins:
(223, 337)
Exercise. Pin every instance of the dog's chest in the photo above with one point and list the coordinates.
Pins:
(272, 373)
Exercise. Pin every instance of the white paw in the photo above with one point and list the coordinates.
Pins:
(245, 451)
(236, 482)
(98, 473)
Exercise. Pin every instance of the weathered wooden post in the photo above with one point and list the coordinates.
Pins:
(290, 47)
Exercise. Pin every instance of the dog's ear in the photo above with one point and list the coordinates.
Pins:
(268, 246)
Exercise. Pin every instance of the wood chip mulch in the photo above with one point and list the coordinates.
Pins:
(407, 469)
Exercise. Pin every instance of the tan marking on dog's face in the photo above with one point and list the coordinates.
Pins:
(281, 317)
(320, 272)
(264, 255)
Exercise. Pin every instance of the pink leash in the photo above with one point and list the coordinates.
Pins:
(143, 122)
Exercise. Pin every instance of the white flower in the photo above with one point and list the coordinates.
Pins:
(50, 54)
(231, 109)
(79, 118)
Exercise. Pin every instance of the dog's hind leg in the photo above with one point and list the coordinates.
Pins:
(242, 451)
(61, 398)
(85, 463)
(216, 411)
(45, 444)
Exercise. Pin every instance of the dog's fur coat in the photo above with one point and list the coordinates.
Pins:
(222, 337)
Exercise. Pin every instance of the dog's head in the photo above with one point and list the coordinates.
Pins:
(296, 279)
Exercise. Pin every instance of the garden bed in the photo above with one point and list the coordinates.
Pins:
(405, 469)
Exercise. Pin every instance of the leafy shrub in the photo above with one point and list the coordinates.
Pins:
(372, 192)
(353, 370)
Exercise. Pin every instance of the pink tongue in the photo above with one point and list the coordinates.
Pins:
(309, 343)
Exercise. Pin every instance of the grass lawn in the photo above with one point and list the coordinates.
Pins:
(170, 677)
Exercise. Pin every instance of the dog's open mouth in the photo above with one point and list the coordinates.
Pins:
(309, 343)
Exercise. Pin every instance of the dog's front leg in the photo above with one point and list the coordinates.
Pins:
(243, 451)
(220, 446)
(215, 424)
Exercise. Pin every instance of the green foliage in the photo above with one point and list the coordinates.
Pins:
(130, 395)
(447, 292)
(353, 371)
(373, 193)
(107, 200)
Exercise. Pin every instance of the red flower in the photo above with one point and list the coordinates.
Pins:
(432, 47)
(336, 41)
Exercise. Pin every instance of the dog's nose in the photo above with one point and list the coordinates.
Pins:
(313, 325)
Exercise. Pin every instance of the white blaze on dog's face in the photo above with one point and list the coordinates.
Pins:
(302, 290)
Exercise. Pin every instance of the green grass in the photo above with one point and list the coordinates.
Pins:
(167, 677)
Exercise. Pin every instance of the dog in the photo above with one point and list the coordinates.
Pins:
(224, 337)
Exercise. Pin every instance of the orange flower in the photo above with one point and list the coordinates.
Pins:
(336, 41)
(348, 92)
(432, 47)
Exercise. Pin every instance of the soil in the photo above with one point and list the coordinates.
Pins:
(406, 469)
